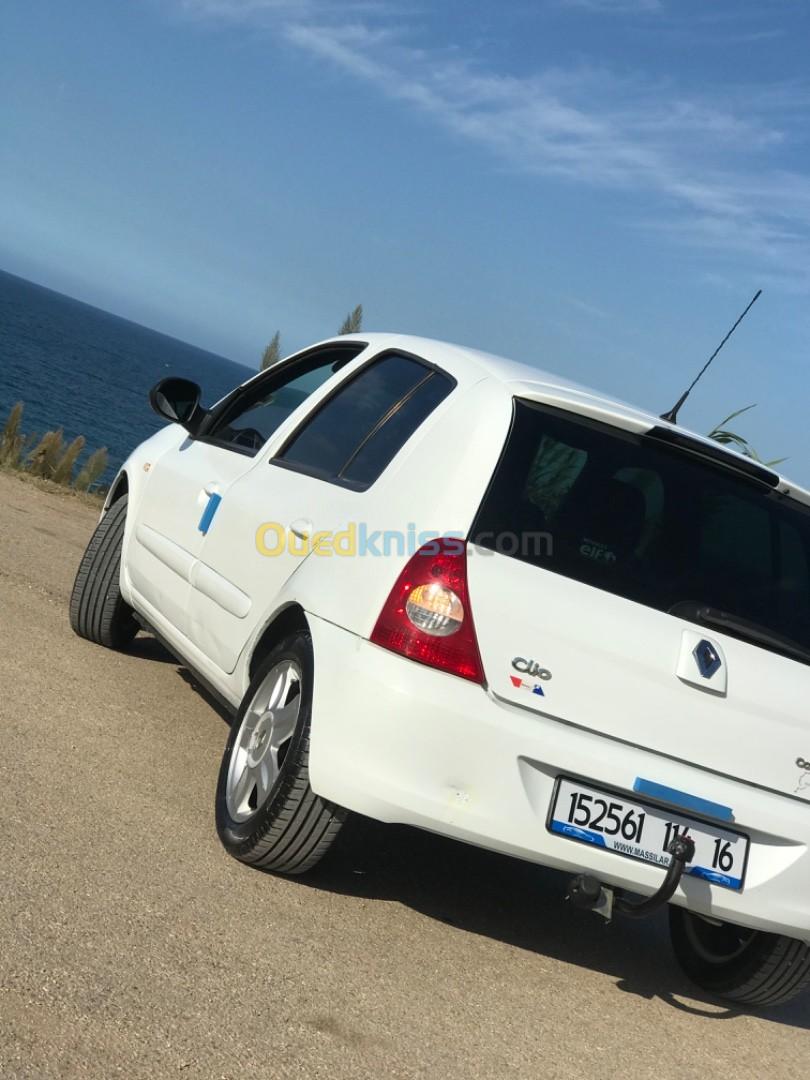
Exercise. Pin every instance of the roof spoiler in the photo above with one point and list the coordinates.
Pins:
(752, 469)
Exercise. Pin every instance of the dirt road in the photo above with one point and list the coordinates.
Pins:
(133, 946)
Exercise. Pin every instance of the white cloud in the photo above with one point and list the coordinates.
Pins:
(706, 165)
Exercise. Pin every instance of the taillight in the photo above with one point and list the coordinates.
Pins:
(427, 615)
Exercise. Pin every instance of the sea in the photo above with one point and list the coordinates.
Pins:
(89, 372)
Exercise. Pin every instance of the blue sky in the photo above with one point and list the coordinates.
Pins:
(596, 186)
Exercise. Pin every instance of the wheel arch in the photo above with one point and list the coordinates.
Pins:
(119, 488)
(284, 622)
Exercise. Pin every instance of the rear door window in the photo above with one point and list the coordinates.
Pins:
(355, 433)
(383, 442)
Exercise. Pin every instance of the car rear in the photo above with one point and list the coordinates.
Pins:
(633, 665)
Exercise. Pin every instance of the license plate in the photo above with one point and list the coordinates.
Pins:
(641, 831)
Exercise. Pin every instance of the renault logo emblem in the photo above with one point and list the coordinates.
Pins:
(707, 659)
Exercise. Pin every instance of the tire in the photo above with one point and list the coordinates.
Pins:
(740, 965)
(98, 611)
(267, 814)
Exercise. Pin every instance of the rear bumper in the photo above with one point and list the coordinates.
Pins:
(400, 742)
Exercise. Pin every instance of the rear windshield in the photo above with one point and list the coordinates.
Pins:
(651, 523)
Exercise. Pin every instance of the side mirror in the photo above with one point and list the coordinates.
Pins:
(178, 400)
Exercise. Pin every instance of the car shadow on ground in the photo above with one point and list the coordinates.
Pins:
(210, 698)
(520, 904)
(508, 900)
(146, 647)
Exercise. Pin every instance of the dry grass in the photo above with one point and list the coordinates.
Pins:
(49, 459)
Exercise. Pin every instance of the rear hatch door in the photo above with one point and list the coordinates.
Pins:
(594, 561)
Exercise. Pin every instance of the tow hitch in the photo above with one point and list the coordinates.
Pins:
(584, 891)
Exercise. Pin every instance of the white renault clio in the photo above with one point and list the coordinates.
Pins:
(444, 589)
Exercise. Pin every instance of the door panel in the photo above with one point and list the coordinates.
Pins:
(182, 503)
(167, 536)
(259, 539)
(309, 489)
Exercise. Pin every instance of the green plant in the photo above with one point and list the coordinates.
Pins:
(92, 471)
(720, 433)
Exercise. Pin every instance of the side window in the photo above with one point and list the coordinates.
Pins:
(254, 415)
(374, 453)
(357, 431)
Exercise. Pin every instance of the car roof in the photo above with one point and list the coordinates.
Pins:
(527, 380)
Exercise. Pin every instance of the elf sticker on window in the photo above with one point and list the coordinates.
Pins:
(592, 549)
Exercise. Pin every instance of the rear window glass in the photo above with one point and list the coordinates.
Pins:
(645, 521)
(356, 432)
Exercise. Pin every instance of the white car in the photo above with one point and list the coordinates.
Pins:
(444, 589)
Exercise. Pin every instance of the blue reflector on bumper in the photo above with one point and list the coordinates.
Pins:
(683, 799)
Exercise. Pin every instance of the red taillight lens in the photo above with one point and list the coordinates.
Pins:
(427, 615)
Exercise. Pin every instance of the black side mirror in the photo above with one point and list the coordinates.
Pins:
(178, 400)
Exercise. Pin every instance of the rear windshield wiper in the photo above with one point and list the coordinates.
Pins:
(743, 628)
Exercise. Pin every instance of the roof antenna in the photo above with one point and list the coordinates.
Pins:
(672, 415)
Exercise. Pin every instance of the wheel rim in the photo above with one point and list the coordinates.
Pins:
(716, 943)
(261, 742)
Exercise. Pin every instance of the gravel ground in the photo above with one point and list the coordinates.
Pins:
(131, 945)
